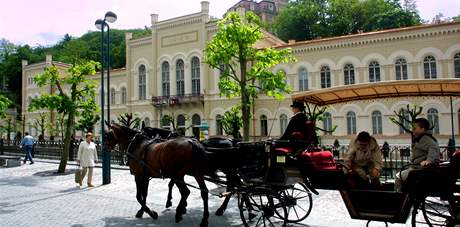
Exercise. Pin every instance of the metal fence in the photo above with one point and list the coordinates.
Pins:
(54, 149)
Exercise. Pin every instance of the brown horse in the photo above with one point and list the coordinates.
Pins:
(171, 159)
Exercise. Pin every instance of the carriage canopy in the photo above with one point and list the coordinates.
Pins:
(387, 89)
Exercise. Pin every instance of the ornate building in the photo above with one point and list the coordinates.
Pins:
(165, 75)
(265, 9)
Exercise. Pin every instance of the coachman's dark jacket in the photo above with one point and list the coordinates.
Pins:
(299, 128)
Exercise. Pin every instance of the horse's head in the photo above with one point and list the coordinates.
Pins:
(118, 134)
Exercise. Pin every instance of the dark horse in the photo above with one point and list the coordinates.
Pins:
(171, 159)
(222, 154)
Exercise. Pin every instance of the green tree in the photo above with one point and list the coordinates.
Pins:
(232, 122)
(4, 104)
(405, 117)
(129, 120)
(245, 69)
(39, 124)
(311, 19)
(70, 102)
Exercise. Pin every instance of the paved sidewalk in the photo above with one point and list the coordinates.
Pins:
(31, 195)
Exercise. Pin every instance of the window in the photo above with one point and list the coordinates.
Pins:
(407, 124)
(219, 128)
(181, 124)
(283, 123)
(401, 69)
(429, 67)
(351, 123)
(327, 121)
(434, 119)
(165, 79)
(325, 77)
(142, 83)
(349, 74)
(180, 77)
(147, 122)
(303, 79)
(374, 72)
(195, 76)
(457, 65)
(123, 95)
(376, 122)
(196, 122)
(263, 125)
(113, 96)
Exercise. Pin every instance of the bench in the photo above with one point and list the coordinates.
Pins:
(9, 161)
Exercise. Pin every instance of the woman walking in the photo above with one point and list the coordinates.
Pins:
(87, 157)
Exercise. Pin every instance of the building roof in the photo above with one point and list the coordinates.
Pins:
(366, 34)
(387, 89)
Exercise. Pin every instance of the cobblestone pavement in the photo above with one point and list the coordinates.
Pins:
(31, 195)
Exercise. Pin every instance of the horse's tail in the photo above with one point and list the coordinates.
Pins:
(199, 155)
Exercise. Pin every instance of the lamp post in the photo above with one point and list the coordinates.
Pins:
(106, 156)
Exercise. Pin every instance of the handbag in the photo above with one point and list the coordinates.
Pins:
(78, 175)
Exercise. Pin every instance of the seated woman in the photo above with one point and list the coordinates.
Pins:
(425, 151)
(364, 161)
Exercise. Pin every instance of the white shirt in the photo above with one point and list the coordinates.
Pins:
(87, 154)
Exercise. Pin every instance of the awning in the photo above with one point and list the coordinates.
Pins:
(377, 90)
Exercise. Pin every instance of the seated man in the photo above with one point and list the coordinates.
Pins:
(364, 161)
(298, 127)
(425, 150)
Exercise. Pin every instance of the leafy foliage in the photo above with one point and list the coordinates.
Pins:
(75, 98)
(307, 19)
(232, 121)
(129, 120)
(245, 69)
(4, 104)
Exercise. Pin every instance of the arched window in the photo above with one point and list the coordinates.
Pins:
(142, 83)
(351, 123)
(433, 117)
(327, 121)
(147, 122)
(263, 125)
(401, 69)
(457, 65)
(374, 72)
(180, 77)
(283, 123)
(113, 96)
(123, 95)
(196, 122)
(181, 124)
(349, 74)
(376, 122)
(219, 128)
(429, 67)
(195, 76)
(325, 77)
(165, 79)
(404, 120)
(303, 79)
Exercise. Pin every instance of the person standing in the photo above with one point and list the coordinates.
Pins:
(87, 158)
(28, 143)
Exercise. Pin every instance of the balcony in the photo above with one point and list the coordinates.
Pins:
(174, 100)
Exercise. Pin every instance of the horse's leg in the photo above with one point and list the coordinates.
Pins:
(145, 190)
(204, 196)
(139, 195)
(170, 187)
(184, 192)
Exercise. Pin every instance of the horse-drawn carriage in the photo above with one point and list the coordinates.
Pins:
(273, 184)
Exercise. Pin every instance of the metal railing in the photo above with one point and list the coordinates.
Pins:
(54, 149)
(177, 99)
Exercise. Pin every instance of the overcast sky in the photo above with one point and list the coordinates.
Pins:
(45, 22)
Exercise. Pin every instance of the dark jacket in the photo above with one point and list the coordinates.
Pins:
(298, 123)
(425, 147)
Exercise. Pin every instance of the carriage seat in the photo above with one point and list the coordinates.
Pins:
(320, 160)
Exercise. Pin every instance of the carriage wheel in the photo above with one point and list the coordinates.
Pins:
(257, 208)
(298, 202)
(435, 212)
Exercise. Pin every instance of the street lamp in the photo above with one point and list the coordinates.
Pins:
(101, 24)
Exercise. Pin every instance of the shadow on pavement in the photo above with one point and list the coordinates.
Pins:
(53, 173)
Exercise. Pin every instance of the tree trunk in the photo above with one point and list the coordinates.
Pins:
(68, 133)
(246, 113)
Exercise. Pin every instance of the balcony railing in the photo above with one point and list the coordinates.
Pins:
(177, 100)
